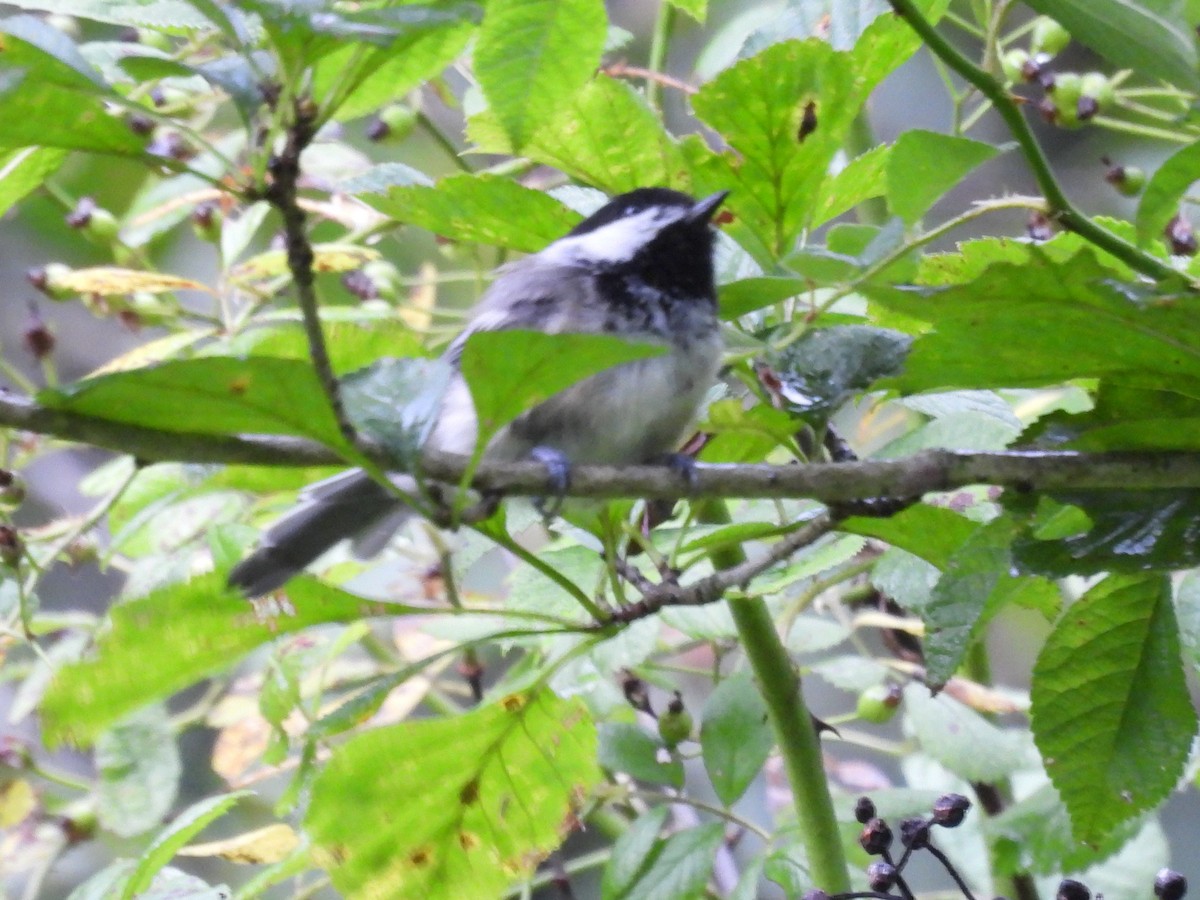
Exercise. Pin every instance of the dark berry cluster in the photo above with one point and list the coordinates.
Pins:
(885, 875)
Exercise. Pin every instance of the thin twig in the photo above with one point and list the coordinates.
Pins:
(714, 587)
(282, 193)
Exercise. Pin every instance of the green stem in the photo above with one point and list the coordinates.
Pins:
(663, 26)
(1061, 208)
(798, 740)
(859, 140)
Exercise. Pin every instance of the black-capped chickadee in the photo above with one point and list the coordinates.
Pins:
(640, 267)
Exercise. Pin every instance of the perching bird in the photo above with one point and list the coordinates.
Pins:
(640, 267)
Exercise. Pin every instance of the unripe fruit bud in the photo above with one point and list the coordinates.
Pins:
(1096, 95)
(400, 119)
(878, 703)
(1037, 226)
(864, 810)
(1013, 63)
(1068, 88)
(949, 810)
(12, 490)
(206, 221)
(385, 277)
(675, 725)
(359, 283)
(1169, 885)
(1048, 36)
(1129, 180)
(81, 215)
(11, 547)
(102, 227)
(140, 123)
(48, 280)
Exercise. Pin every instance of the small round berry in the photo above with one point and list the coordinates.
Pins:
(1048, 36)
(1038, 227)
(1067, 91)
(139, 123)
(1169, 885)
(881, 875)
(876, 837)
(1181, 237)
(206, 221)
(1098, 87)
(675, 725)
(1070, 889)
(949, 810)
(79, 217)
(1128, 180)
(636, 692)
(377, 130)
(1013, 64)
(400, 120)
(914, 832)
(38, 338)
(864, 810)
(878, 703)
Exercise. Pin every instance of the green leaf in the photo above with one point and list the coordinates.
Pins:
(1153, 39)
(735, 736)
(749, 294)
(212, 395)
(1132, 531)
(511, 371)
(484, 209)
(605, 136)
(25, 170)
(677, 867)
(626, 747)
(975, 585)
(47, 54)
(961, 739)
(42, 114)
(923, 165)
(167, 640)
(389, 73)
(174, 15)
(533, 55)
(697, 9)
(396, 402)
(758, 106)
(933, 533)
(1089, 326)
(182, 829)
(454, 807)
(633, 852)
(139, 767)
(827, 366)
(1165, 190)
(1039, 828)
(864, 177)
(1111, 713)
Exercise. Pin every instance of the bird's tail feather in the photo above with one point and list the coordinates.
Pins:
(329, 511)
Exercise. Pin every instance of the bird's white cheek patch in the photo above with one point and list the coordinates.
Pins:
(613, 243)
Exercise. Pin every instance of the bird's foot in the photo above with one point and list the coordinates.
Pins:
(558, 472)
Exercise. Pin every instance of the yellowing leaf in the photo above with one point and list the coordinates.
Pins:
(263, 845)
(326, 258)
(110, 281)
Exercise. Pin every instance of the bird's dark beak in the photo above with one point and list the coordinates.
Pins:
(704, 209)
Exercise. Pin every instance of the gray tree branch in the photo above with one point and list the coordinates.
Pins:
(929, 470)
